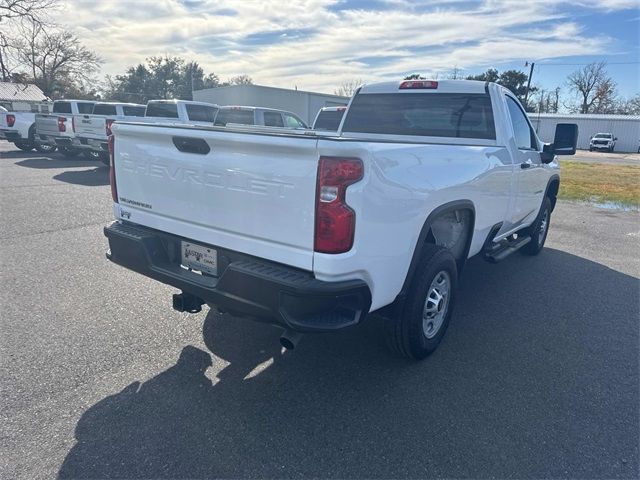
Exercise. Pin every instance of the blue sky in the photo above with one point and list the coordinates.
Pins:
(317, 44)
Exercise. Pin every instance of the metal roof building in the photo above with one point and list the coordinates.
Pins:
(304, 104)
(18, 96)
(625, 127)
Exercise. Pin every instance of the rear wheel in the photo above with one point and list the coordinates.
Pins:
(104, 158)
(44, 148)
(538, 230)
(418, 330)
(24, 146)
(91, 155)
(69, 151)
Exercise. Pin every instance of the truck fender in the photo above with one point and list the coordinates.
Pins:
(553, 185)
(426, 228)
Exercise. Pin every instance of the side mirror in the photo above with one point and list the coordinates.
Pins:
(564, 142)
(615, 139)
(565, 139)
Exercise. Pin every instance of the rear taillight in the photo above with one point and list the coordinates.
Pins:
(335, 220)
(107, 126)
(418, 84)
(62, 127)
(112, 168)
(11, 120)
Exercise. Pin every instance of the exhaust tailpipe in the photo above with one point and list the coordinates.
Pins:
(289, 339)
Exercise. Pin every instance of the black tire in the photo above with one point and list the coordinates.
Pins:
(68, 151)
(611, 149)
(409, 334)
(538, 230)
(104, 158)
(91, 155)
(590, 149)
(24, 146)
(44, 148)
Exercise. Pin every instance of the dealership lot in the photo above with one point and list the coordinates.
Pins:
(537, 376)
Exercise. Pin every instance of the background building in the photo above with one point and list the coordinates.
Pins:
(20, 96)
(304, 104)
(625, 127)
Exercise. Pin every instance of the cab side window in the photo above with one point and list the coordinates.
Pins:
(525, 139)
(293, 122)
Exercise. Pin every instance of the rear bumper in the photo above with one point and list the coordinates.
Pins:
(10, 135)
(98, 145)
(57, 141)
(246, 286)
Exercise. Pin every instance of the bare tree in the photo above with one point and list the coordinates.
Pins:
(241, 80)
(56, 59)
(348, 87)
(594, 87)
(34, 10)
(455, 74)
(14, 15)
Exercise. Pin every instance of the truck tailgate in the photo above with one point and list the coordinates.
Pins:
(253, 193)
(48, 124)
(90, 126)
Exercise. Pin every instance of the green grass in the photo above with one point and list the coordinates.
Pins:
(598, 182)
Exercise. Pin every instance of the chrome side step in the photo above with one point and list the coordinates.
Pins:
(496, 252)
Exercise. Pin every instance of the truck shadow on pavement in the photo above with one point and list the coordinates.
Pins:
(537, 376)
(41, 162)
(94, 177)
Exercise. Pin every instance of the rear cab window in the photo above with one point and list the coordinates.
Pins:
(85, 107)
(201, 113)
(329, 120)
(453, 115)
(235, 115)
(104, 109)
(62, 107)
(130, 111)
(161, 109)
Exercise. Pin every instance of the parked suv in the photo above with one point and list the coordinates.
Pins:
(268, 117)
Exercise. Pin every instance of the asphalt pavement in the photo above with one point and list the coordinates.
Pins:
(537, 377)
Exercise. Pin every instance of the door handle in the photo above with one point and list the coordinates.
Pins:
(525, 165)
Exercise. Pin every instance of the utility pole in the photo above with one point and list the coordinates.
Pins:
(526, 94)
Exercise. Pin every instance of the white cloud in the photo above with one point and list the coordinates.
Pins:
(330, 45)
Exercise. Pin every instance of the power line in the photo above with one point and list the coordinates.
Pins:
(581, 64)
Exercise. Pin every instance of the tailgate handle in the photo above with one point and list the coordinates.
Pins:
(191, 145)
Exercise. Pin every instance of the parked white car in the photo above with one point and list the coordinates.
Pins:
(603, 141)
(57, 129)
(19, 128)
(268, 117)
(314, 231)
(92, 130)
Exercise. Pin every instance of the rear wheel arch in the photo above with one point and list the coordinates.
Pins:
(429, 235)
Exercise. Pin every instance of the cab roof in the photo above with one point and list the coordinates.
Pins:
(441, 86)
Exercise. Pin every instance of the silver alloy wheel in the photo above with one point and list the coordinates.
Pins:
(436, 304)
(544, 224)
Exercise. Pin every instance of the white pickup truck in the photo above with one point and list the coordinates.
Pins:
(56, 129)
(312, 232)
(92, 130)
(19, 128)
